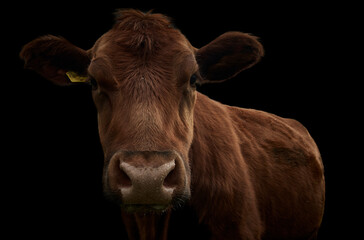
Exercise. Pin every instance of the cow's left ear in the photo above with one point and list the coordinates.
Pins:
(228, 55)
(56, 59)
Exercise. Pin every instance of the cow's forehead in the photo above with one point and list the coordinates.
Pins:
(117, 54)
(118, 41)
(143, 47)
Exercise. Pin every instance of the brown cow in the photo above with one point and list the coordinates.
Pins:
(246, 174)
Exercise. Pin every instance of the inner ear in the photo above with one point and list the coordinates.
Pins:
(228, 55)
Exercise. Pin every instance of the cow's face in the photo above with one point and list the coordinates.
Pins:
(143, 75)
(144, 88)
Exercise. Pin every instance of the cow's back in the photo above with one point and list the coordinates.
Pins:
(286, 171)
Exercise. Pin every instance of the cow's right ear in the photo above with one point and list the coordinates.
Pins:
(56, 59)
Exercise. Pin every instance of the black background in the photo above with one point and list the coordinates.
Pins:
(53, 169)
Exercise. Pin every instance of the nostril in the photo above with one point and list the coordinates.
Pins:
(171, 179)
(123, 178)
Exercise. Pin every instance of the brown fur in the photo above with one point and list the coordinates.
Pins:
(248, 174)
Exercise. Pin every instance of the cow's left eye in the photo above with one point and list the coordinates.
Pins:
(93, 83)
(193, 80)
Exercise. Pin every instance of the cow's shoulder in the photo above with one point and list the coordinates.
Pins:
(266, 135)
(260, 120)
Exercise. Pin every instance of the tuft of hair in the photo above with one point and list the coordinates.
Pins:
(143, 29)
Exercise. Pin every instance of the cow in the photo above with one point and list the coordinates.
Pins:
(244, 173)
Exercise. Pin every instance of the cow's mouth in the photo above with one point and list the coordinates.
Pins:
(177, 202)
(149, 208)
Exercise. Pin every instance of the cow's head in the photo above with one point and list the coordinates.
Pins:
(143, 74)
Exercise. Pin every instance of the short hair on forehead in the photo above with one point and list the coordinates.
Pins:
(137, 19)
(143, 32)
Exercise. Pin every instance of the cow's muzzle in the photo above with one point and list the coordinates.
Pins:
(147, 179)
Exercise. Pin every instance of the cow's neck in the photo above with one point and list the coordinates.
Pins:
(140, 226)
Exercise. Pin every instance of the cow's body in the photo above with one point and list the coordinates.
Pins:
(245, 174)
(270, 162)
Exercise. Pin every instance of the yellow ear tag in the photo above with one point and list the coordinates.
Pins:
(75, 77)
